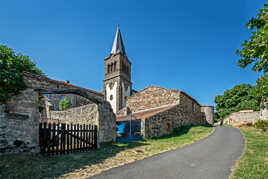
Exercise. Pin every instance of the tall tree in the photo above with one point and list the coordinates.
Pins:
(256, 49)
(65, 103)
(11, 67)
(262, 88)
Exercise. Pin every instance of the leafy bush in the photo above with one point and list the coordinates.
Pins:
(262, 124)
(238, 98)
(11, 67)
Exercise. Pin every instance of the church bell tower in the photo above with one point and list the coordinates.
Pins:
(117, 81)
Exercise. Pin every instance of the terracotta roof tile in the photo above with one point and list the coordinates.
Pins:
(145, 114)
(175, 90)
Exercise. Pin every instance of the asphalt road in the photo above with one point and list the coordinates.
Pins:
(210, 158)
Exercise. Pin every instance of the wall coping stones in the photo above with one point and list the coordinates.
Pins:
(44, 78)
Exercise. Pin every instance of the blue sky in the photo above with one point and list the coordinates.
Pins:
(187, 45)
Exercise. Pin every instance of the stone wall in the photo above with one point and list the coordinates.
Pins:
(242, 117)
(189, 104)
(87, 114)
(90, 114)
(165, 122)
(264, 112)
(76, 100)
(208, 114)
(42, 82)
(107, 123)
(19, 127)
(19, 117)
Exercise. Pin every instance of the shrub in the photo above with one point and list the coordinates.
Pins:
(262, 124)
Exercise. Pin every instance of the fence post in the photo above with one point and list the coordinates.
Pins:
(54, 138)
(71, 137)
(41, 138)
(68, 139)
(95, 137)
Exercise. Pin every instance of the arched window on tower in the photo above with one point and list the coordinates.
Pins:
(114, 66)
(109, 66)
(124, 67)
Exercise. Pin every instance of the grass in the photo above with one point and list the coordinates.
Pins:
(254, 161)
(83, 165)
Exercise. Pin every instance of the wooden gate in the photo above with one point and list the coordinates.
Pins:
(58, 139)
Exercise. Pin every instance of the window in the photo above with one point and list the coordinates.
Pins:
(108, 68)
(114, 66)
(111, 97)
(193, 107)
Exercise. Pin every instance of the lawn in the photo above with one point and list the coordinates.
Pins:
(83, 165)
(254, 161)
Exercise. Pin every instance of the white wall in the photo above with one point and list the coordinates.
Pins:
(110, 92)
(125, 93)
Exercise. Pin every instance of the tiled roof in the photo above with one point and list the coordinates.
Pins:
(174, 90)
(145, 113)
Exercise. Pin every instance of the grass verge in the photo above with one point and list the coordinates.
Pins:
(83, 165)
(254, 161)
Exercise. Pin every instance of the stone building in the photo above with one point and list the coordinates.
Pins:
(157, 110)
(152, 103)
(118, 89)
(160, 110)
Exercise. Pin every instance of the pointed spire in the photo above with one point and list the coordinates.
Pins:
(118, 46)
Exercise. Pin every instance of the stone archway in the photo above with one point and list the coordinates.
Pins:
(19, 117)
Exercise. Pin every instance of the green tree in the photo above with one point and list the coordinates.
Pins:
(262, 88)
(256, 49)
(240, 97)
(11, 67)
(65, 103)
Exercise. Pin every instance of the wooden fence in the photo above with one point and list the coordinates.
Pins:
(58, 139)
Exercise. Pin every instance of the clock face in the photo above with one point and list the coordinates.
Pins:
(111, 97)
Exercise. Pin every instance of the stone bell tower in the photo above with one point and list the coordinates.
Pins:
(117, 81)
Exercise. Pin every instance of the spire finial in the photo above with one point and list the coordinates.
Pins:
(118, 46)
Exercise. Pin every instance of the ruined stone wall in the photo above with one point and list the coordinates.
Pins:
(100, 115)
(76, 100)
(87, 114)
(242, 117)
(165, 122)
(19, 127)
(152, 97)
(19, 117)
(107, 123)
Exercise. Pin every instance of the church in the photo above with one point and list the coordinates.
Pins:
(155, 110)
